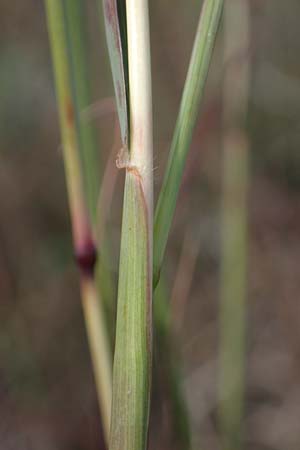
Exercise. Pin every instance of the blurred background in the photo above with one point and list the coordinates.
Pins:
(47, 393)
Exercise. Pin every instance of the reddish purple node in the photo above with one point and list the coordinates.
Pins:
(86, 258)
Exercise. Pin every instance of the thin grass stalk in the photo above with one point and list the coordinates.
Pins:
(84, 246)
(77, 46)
(133, 349)
(76, 24)
(234, 225)
(186, 121)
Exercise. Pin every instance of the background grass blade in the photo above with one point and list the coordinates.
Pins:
(116, 36)
(82, 234)
(234, 225)
(186, 120)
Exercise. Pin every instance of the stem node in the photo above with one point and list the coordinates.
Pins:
(86, 258)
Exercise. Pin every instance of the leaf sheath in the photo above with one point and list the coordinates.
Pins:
(132, 361)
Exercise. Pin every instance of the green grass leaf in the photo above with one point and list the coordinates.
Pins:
(116, 36)
(186, 121)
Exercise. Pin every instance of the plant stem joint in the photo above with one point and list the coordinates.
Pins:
(86, 258)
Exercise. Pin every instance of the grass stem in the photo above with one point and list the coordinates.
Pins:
(75, 19)
(234, 225)
(133, 348)
(84, 246)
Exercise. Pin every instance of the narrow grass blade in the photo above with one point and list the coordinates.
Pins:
(75, 19)
(116, 36)
(186, 120)
(234, 225)
(84, 246)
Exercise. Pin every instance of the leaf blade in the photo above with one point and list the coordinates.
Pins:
(185, 124)
(115, 27)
